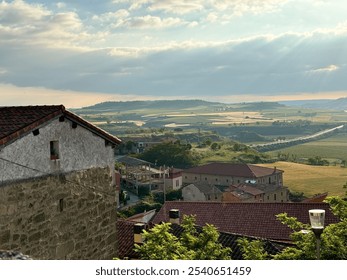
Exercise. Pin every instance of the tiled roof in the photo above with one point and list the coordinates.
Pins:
(251, 219)
(248, 189)
(231, 169)
(125, 239)
(316, 198)
(125, 235)
(131, 161)
(15, 122)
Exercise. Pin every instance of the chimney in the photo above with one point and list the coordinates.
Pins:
(174, 215)
(138, 229)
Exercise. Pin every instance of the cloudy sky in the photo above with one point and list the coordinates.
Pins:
(82, 52)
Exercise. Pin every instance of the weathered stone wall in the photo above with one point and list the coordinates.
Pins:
(66, 216)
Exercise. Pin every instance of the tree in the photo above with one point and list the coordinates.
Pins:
(215, 146)
(160, 244)
(129, 145)
(170, 154)
(252, 250)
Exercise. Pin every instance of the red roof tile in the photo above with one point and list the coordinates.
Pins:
(316, 198)
(252, 219)
(231, 169)
(15, 122)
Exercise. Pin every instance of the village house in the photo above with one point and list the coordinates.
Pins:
(58, 188)
(235, 182)
(201, 191)
(140, 177)
(226, 174)
(255, 193)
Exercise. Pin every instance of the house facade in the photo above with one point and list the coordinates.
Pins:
(58, 191)
(201, 192)
(256, 193)
(226, 174)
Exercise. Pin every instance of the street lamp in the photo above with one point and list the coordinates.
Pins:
(317, 217)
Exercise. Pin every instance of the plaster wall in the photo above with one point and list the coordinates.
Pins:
(79, 149)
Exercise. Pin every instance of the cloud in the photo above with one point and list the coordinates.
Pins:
(3, 71)
(151, 22)
(20, 96)
(18, 13)
(61, 5)
(327, 69)
(145, 48)
(34, 24)
(258, 65)
(177, 6)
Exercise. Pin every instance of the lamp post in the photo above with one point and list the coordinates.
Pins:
(317, 217)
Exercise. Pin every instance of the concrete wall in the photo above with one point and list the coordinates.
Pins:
(79, 149)
(66, 216)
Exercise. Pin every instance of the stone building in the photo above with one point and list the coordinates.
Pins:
(201, 191)
(226, 174)
(58, 192)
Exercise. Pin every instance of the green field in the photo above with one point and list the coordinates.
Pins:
(312, 179)
(333, 149)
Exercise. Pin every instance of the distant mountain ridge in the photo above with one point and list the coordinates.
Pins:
(150, 104)
(114, 106)
(333, 104)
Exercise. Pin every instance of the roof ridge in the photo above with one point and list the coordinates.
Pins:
(249, 167)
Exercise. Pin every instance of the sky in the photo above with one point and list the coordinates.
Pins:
(79, 53)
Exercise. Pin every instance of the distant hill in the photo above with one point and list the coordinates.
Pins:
(112, 106)
(333, 104)
(115, 106)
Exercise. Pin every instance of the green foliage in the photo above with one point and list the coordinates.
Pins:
(170, 154)
(160, 244)
(170, 196)
(139, 208)
(296, 196)
(334, 236)
(252, 250)
(215, 146)
(317, 160)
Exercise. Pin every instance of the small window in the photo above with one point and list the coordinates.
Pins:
(54, 150)
(61, 204)
(274, 196)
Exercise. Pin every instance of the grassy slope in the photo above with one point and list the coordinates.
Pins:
(313, 179)
(332, 148)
